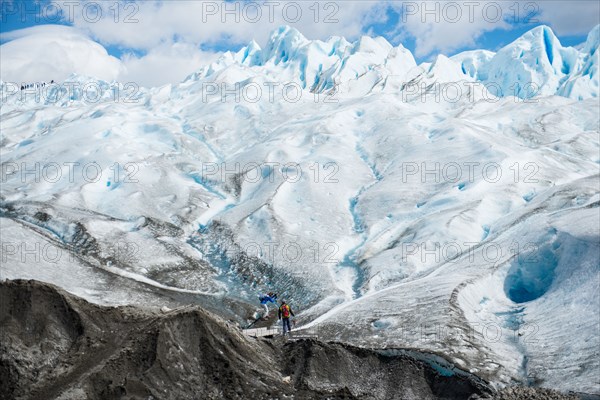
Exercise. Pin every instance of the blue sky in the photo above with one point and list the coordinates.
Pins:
(193, 32)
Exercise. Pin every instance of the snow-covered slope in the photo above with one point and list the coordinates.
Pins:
(383, 213)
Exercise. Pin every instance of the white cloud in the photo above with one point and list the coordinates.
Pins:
(52, 52)
(447, 26)
(445, 30)
(574, 18)
(151, 23)
(164, 64)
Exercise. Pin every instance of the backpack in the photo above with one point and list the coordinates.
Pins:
(285, 311)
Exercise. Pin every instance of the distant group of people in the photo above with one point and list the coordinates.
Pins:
(283, 313)
(35, 85)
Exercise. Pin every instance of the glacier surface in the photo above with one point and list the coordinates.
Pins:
(451, 207)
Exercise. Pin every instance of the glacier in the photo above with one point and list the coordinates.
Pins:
(450, 207)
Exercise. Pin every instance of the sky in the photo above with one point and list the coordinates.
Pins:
(157, 42)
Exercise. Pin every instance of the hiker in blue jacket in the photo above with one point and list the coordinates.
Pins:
(267, 298)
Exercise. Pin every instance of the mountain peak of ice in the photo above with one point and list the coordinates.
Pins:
(593, 41)
(535, 64)
(283, 44)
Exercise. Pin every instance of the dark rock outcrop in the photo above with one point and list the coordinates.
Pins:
(55, 345)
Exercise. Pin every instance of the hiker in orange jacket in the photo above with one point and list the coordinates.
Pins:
(285, 311)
